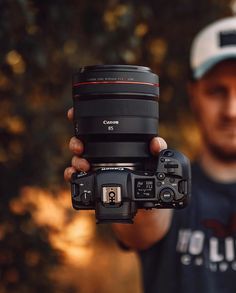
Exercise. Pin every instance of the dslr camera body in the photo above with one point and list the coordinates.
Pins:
(116, 193)
(116, 116)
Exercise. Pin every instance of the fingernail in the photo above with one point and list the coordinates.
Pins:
(162, 143)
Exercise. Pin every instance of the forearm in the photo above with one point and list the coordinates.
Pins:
(149, 227)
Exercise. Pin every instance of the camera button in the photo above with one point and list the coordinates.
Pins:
(85, 198)
(74, 190)
(181, 204)
(161, 176)
(183, 187)
(167, 194)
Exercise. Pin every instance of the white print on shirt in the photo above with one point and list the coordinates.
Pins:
(217, 254)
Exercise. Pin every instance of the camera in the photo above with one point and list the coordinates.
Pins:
(116, 116)
(116, 193)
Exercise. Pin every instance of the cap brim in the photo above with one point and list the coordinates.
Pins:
(205, 67)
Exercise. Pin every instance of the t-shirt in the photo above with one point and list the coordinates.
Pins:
(198, 254)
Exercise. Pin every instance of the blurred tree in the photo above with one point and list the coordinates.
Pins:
(41, 44)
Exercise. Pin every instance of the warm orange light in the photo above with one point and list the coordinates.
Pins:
(141, 29)
(15, 60)
(88, 261)
(70, 232)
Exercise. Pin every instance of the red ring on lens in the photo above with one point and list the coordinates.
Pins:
(115, 82)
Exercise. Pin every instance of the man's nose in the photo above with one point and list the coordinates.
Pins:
(230, 105)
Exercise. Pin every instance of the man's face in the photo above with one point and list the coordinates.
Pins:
(214, 102)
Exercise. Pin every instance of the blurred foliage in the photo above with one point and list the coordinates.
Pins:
(41, 44)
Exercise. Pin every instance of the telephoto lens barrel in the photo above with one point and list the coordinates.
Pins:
(116, 113)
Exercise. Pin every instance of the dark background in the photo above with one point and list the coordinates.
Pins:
(44, 244)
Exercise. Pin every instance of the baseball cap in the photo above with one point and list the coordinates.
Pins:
(213, 44)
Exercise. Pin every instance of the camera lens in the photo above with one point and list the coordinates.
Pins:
(115, 112)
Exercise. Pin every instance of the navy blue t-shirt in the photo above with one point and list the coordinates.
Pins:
(198, 255)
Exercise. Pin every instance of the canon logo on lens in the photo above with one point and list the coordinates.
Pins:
(106, 122)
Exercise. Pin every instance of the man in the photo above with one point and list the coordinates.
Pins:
(194, 249)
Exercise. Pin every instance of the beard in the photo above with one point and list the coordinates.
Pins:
(224, 152)
(219, 137)
(221, 153)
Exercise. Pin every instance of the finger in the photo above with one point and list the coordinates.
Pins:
(76, 146)
(157, 144)
(68, 172)
(80, 164)
(70, 114)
